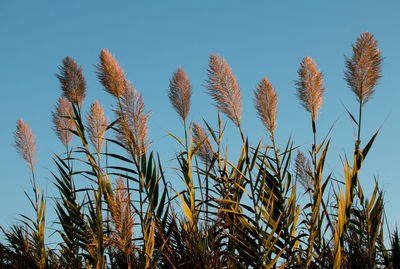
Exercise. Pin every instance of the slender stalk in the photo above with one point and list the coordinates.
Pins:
(359, 127)
(278, 162)
(314, 146)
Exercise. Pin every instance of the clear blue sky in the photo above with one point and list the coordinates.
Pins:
(152, 38)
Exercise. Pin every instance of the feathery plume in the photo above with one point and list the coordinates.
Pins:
(133, 122)
(25, 143)
(96, 126)
(72, 81)
(310, 86)
(205, 151)
(61, 120)
(303, 171)
(180, 92)
(364, 67)
(111, 75)
(121, 219)
(266, 103)
(224, 89)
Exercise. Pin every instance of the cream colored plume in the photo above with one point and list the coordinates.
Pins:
(180, 92)
(303, 171)
(224, 89)
(96, 126)
(266, 103)
(133, 122)
(205, 151)
(364, 67)
(25, 143)
(310, 86)
(111, 75)
(62, 121)
(122, 220)
(72, 81)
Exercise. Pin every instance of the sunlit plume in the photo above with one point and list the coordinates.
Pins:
(111, 75)
(25, 143)
(224, 89)
(364, 67)
(205, 151)
(303, 171)
(133, 122)
(72, 81)
(266, 103)
(310, 86)
(122, 220)
(180, 92)
(96, 126)
(63, 124)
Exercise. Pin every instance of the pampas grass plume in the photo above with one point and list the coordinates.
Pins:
(62, 121)
(133, 122)
(73, 83)
(303, 171)
(111, 75)
(96, 126)
(266, 103)
(224, 89)
(364, 67)
(310, 86)
(122, 219)
(180, 92)
(25, 143)
(205, 151)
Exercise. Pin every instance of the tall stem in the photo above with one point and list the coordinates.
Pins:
(359, 127)
(314, 147)
(278, 162)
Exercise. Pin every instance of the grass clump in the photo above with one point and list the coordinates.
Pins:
(240, 213)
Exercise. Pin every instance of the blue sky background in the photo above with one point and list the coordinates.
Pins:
(151, 39)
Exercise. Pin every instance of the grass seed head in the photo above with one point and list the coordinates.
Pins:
(96, 126)
(111, 75)
(25, 143)
(310, 86)
(180, 92)
(303, 171)
(122, 220)
(363, 69)
(72, 81)
(133, 122)
(62, 121)
(205, 151)
(224, 89)
(266, 104)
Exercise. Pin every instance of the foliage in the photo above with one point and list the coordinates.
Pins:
(117, 207)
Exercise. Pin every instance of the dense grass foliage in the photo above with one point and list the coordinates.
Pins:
(232, 212)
